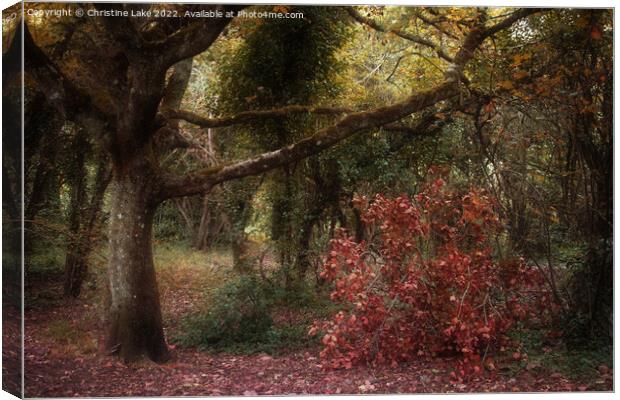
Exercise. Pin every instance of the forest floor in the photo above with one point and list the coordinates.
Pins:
(64, 355)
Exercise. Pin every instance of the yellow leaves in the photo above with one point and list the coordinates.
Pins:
(583, 21)
(589, 109)
(47, 25)
(520, 74)
(554, 218)
(507, 85)
(10, 24)
(538, 178)
(518, 59)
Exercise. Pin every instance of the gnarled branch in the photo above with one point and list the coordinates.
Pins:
(249, 116)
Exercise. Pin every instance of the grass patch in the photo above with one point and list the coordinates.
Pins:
(275, 341)
(249, 315)
(62, 332)
(71, 339)
(578, 364)
(181, 267)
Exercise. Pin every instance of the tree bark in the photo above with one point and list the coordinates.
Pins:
(242, 261)
(135, 322)
(76, 264)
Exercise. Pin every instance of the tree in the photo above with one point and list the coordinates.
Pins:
(282, 62)
(84, 216)
(135, 56)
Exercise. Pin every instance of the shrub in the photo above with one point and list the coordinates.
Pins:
(248, 317)
(425, 283)
(241, 315)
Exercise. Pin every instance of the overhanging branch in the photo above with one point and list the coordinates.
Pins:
(202, 180)
(249, 116)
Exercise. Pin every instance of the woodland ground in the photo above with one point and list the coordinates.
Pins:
(64, 355)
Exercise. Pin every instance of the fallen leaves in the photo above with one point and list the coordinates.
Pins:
(73, 373)
(366, 387)
(203, 374)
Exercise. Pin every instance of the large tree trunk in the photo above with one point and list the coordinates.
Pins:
(135, 322)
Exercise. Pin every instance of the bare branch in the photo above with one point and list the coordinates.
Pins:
(435, 24)
(172, 138)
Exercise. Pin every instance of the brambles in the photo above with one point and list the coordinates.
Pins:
(426, 283)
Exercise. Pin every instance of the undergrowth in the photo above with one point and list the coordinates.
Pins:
(544, 352)
(253, 315)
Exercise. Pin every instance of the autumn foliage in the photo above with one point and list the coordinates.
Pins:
(425, 283)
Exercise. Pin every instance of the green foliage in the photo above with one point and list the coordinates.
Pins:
(45, 257)
(167, 223)
(279, 62)
(544, 354)
(62, 331)
(241, 315)
(581, 330)
(247, 318)
(285, 61)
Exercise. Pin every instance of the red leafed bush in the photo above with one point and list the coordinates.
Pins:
(425, 283)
